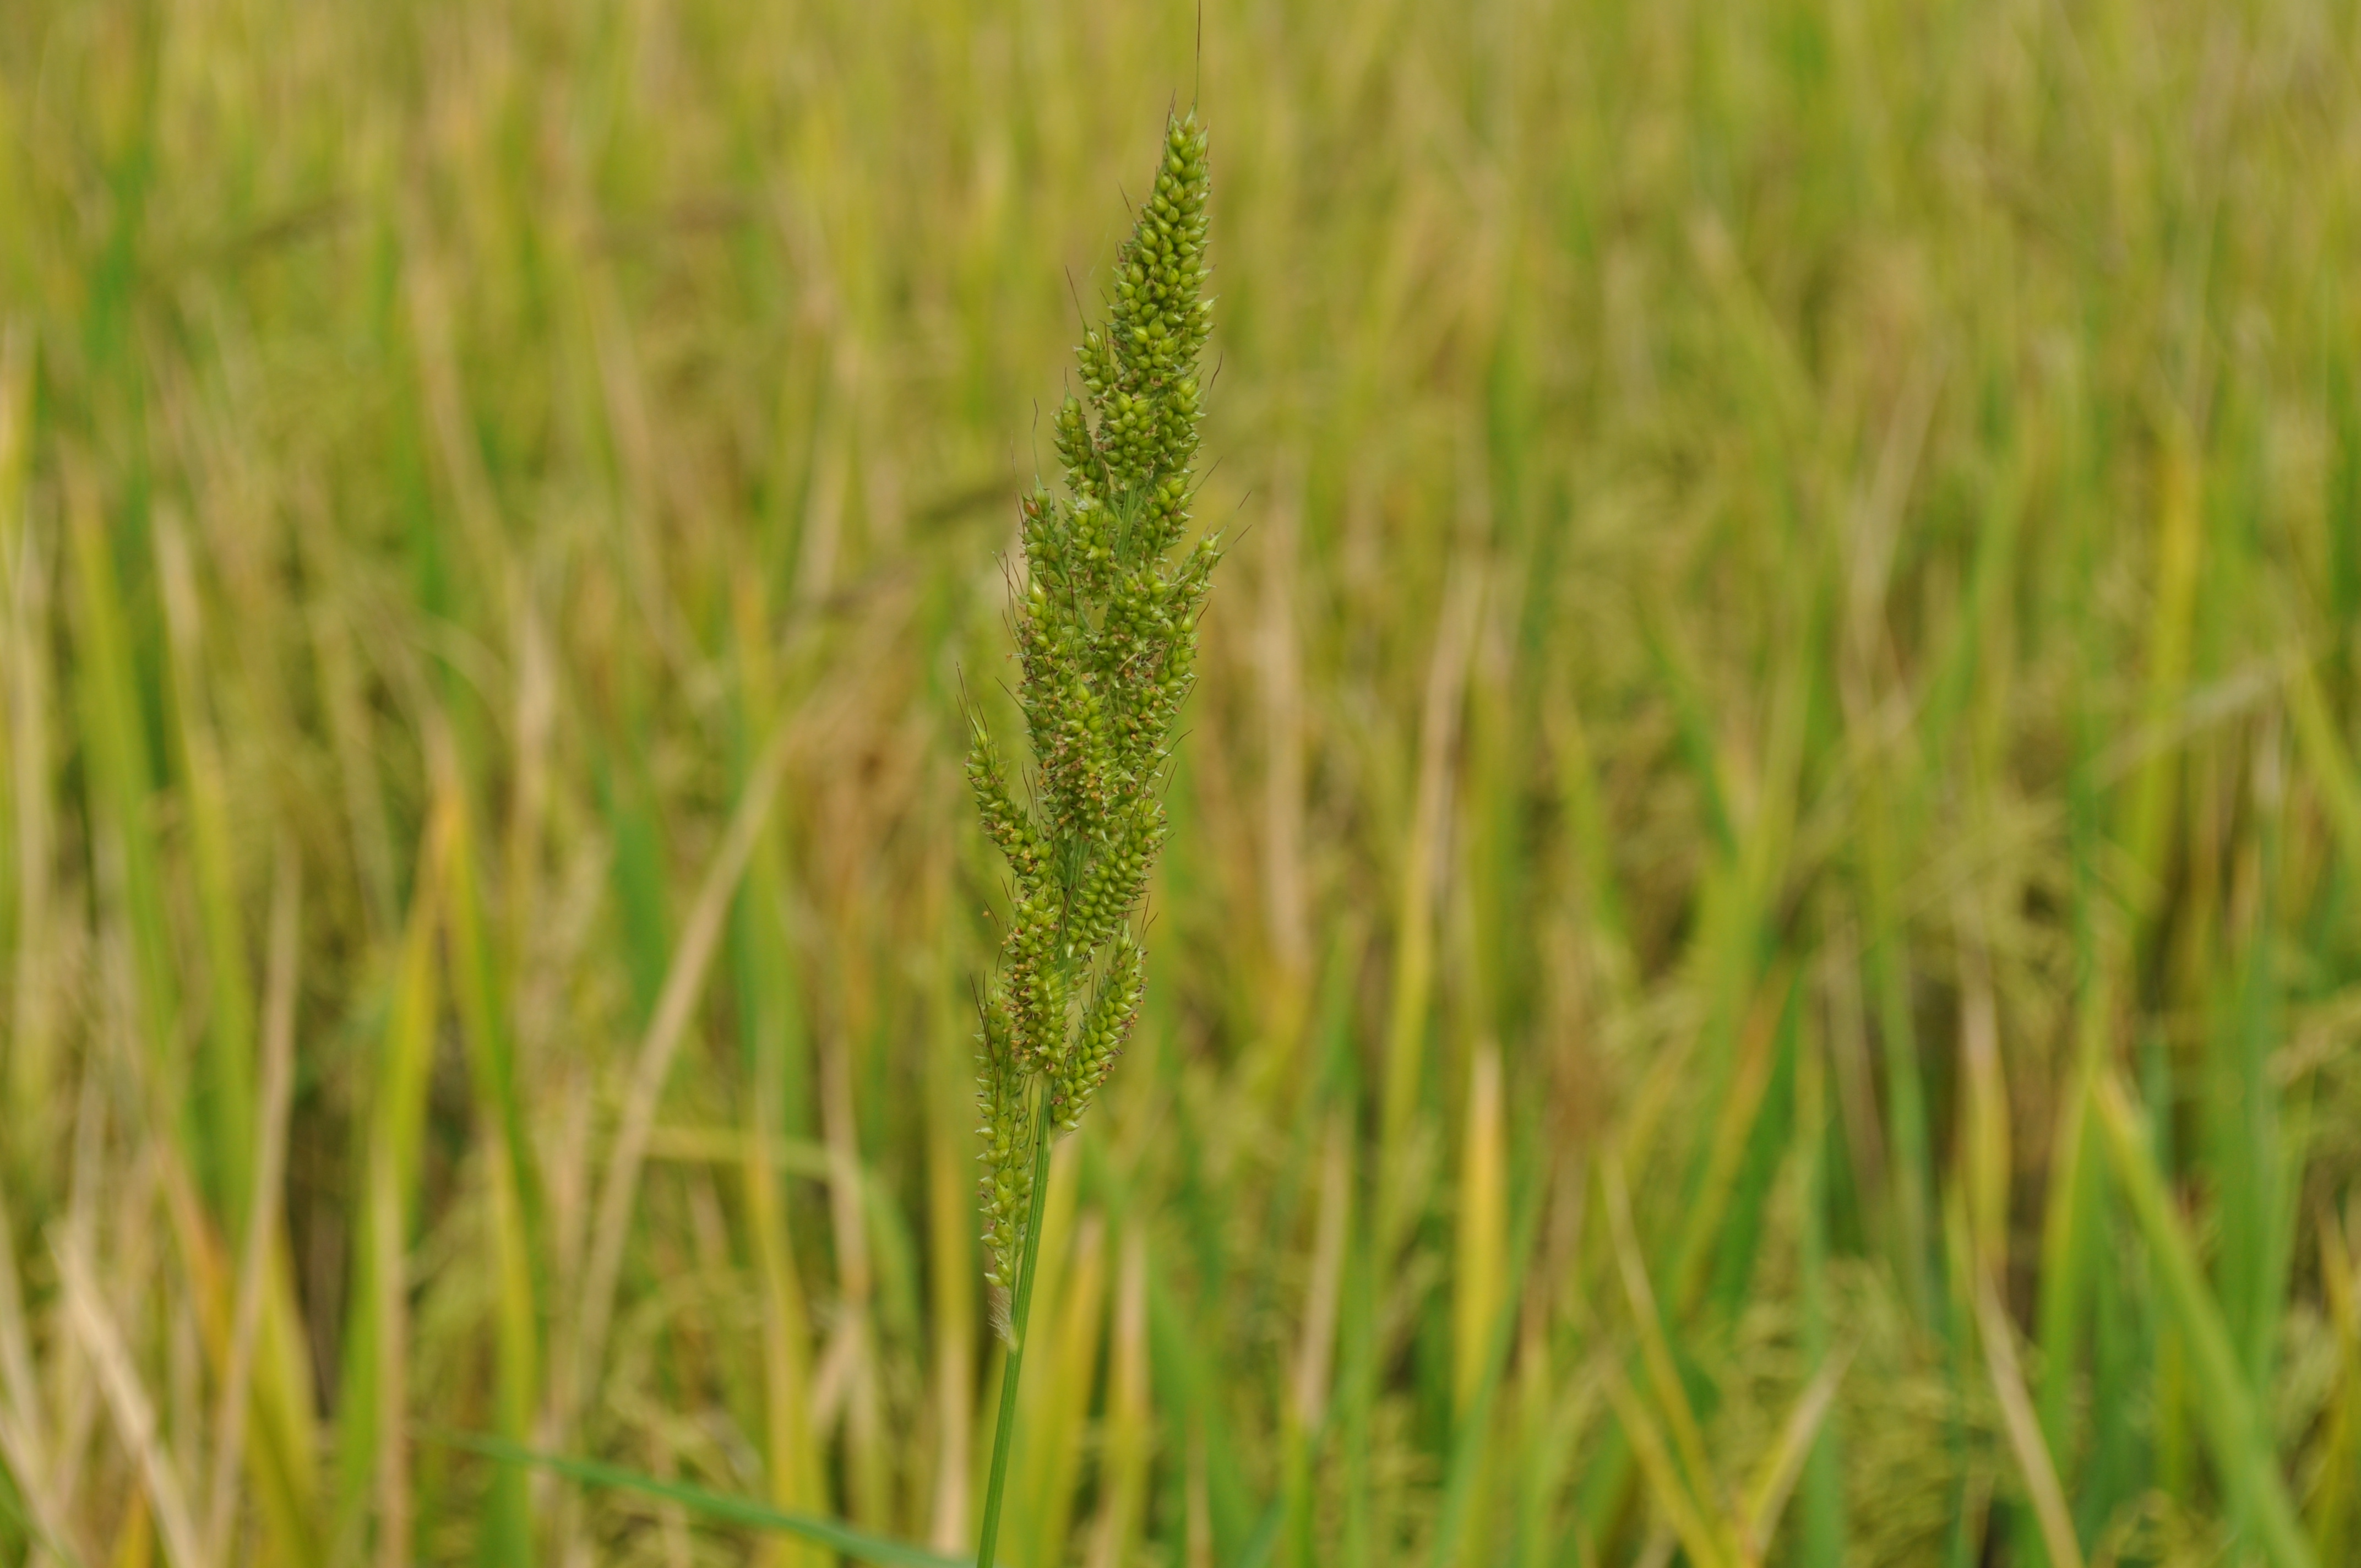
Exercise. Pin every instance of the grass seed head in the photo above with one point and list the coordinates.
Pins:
(1106, 623)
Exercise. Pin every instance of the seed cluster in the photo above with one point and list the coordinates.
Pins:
(1106, 638)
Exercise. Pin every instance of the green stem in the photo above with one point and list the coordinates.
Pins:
(1003, 1431)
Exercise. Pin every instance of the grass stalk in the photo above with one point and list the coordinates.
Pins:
(1003, 1426)
(1107, 634)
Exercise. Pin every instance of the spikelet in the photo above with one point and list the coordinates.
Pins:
(1106, 1024)
(1107, 640)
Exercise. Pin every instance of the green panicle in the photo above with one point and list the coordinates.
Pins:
(1105, 624)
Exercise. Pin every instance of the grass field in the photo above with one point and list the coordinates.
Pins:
(1761, 954)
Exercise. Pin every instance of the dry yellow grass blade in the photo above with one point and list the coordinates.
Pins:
(23, 1421)
(1655, 1351)
(853, 1351)
(952, 1288)
(1692, 1519)
(32, 1066)
(127, 1401)
(2025, 1432)
(1777, 1474)
(1129, 1434)
(683, 979)
(1406, 1025)
(1481, 1228)
(1056, 1412)
(1315, 1351)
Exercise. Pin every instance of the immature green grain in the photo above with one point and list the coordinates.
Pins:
(1106, 638)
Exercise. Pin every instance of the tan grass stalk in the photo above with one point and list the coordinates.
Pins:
(127, 1401)
(684, 981)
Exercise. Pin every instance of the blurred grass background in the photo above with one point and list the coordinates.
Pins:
(1761, 959)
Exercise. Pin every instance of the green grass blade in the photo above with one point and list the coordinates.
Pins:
(2325, 762)
(507, 1528)
(1821, 1541)
(1307, 1416)
(1694, 1469)
(1180, 1362)
(228, 1058)
(121, 784)
(776, 1051)
(1057, 1405)
(2227, 1413)
(717, 1505)
(2071, 1240)
(1460, 1533)
(374, 1386)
